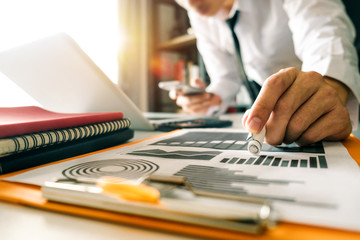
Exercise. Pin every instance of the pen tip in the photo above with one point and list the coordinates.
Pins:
(254, 147)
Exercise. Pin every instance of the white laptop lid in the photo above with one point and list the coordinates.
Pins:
(62, 78)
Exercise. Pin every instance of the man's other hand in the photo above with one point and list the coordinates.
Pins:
(195, 103)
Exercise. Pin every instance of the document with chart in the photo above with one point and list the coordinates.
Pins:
(317, 184)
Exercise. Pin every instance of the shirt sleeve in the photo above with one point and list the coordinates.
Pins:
(220, 64)
(323, 38)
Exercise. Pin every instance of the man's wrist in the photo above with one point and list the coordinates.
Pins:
(341, 89)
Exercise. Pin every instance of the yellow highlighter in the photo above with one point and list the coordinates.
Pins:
(128, 189)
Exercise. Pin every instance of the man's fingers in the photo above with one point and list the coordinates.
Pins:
(329, 127)
(295, 97)
(321, 103)
(173, 94)
(245, 117)
(195, 104)
(200, 108)
(298, 106)
(270, 93)
(183, 100)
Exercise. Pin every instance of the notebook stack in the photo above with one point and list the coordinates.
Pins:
(32, 136)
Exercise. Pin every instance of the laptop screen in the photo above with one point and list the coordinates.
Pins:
(62, 78)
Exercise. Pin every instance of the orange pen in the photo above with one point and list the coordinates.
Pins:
(128, 189)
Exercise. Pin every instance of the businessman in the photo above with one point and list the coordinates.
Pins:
(301, 53)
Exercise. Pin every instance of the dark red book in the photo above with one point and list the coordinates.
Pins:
(22, 120)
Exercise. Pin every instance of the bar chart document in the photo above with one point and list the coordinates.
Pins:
(316, 184)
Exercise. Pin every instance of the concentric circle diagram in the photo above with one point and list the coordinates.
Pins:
(125, 168)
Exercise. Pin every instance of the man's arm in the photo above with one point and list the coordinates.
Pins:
(301, 107)
(323, 39)
(311, 105)
(220, 66)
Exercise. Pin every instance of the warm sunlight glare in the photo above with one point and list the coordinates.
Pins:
(92, 23)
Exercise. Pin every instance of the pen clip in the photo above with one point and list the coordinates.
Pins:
(264, 217)
(180, 180)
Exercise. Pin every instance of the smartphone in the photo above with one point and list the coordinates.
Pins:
(184, 87)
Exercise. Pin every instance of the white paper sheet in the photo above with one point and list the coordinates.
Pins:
(316, 185)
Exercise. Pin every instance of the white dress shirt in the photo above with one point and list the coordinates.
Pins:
(312, 35)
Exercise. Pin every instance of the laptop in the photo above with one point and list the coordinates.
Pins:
(57, 73)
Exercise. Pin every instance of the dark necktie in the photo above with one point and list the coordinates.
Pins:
(252, 87)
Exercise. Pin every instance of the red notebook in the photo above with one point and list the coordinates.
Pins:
(22, 120)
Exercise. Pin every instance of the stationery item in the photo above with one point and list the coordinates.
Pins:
(128, 190)
(120, 188)
(37, 157)
(162, 199)
(255, 141)
(64, 71)
(22, 120)
(35, 140)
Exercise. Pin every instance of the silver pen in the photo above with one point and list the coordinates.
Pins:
(255, 141)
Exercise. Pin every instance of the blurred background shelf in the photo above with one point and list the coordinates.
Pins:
(174, 52)
(179, 43)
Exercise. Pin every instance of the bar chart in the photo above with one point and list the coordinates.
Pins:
(232, 182)
(263, 160)
(232, 141)
(237, 141)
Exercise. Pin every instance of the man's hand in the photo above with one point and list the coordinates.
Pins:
(196, 103)
(301, 107)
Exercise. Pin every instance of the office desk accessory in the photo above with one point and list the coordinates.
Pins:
(119, 188)
(37, 157)
(31, 136)
(29, 119)
(175, 203)
(255, 141)
(35, 140)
